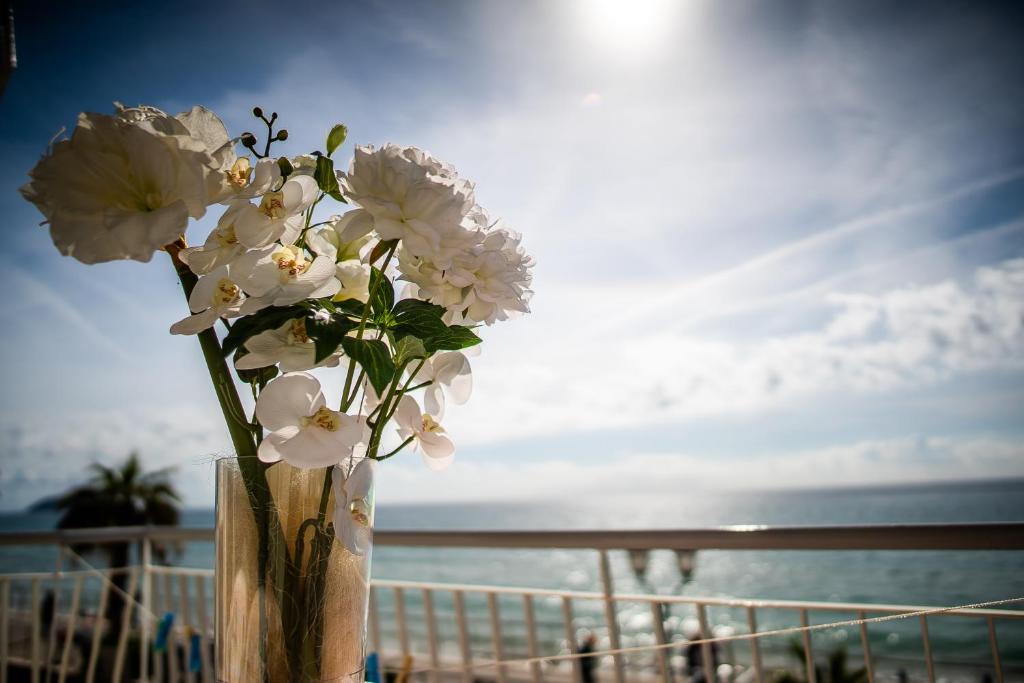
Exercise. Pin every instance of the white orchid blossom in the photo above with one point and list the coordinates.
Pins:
(428, 435)
(450, 376)
(354, 277)
(304, 432)
(281, 275)
(243, 181)
(124, 186)
(278, 216)
(221, 246)
(288, 346)
(215, 296)
(353, 506)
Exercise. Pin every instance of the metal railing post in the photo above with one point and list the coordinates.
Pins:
(610, 616)
(146, 613)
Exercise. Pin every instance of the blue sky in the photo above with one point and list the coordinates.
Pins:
(777, 245)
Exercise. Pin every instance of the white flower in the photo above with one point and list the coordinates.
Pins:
(281, 276)
(488, 283)
(215, 296)
(278, 215)
(354, 277)
(221, 246)
(438, 450)
(353, 506)
(304, 432)
(344, 237)
(415, 198)
(449, 374)
(289, 346)
(125, 186)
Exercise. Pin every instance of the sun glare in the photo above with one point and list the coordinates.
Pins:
(638, 27)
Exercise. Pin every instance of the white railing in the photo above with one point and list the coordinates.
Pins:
(433, 624)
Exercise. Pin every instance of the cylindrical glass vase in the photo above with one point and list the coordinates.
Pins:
(291, 600)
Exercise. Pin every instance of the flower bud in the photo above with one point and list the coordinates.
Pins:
(257, 112)
(248, 140)
(282, 134)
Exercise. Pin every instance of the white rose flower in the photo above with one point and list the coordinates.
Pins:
(488, 283)
(304, 432)
(414, 198)
(215, 296)
(353, 506)
(278, 215)
(429, 436)
(288, 346)
(281, 275)
(125, 186)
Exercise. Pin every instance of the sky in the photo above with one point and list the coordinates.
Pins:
(778, 244)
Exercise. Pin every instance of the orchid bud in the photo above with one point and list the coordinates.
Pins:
(282, 134)
(248, 140)
(257, 112)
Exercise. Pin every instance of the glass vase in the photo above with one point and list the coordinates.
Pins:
(291, 600)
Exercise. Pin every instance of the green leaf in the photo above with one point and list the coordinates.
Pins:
(250, 325)
(353, 307)
(382, 294)
(336, 137)
(408, 348)
(423, 320)
(381, 249)
(261, 375)
(327, 331)
(324, 176)
(374, 357)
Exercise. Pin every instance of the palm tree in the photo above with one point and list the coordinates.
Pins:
(838, 670)
(118, 496)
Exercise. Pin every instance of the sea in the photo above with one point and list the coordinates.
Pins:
(936, 578)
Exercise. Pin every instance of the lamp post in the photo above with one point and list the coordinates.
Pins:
(686, 563)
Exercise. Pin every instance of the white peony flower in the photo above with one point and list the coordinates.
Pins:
(125, 186)
(278, 215)
(215, 296)
(221, 246)
(344, 237)
(449, 375)
(288, 346)
(414, 198)
(281, 275)
(354, 278)
(353, 506)
(488, 283)
(304, 432)
(437, 449)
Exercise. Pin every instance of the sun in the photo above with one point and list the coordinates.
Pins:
(637, 27)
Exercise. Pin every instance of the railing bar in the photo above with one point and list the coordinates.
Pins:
(69, 636)
(808, 651)
(499, 652)
(126, 624)
(51, 644)
(375, 621)
(204, 624)
(570, 636)
(865, 644)
(37, 628)
(156, 607)
(706, 653)
(5, 605)
(755, 647)
(929, 663)
(658, 620)
(997, 660)
(460, 620)
(428, 613)
(171, 654)
(186, 626)
(97, 629)
(610, 617)
(403, 634)
(536, 673)
(146, 614)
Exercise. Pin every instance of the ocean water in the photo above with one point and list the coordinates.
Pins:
(939, 578)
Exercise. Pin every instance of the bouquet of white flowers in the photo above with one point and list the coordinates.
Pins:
(294, 293)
